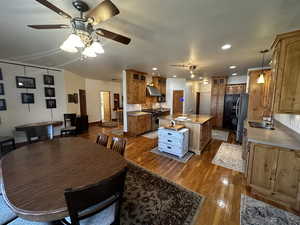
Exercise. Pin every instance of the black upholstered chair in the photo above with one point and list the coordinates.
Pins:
(6, 140)
(118, 145)
(69, 125)
(96, 204)
(102, 139)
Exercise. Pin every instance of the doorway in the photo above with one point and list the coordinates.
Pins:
(105, 106)
(178, 102)
(198, 103)
(82, 102)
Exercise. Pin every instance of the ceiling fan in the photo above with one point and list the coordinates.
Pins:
(192, 68)
(84, 35)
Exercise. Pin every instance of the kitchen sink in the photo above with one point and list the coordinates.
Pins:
(260, 125)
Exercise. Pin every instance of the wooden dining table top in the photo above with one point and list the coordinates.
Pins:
(35, 176)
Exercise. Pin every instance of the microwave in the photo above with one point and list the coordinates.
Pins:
(161, 98)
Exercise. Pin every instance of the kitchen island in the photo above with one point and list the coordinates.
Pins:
(199, 128)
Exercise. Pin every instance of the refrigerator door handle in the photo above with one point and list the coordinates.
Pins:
(237, 107)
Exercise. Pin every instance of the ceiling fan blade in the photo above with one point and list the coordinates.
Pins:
(103, 11)
(53, 26)
(113, 36)
(179, 65)
(54, 8)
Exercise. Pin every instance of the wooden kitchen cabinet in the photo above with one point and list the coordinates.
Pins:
(286, 72)
(160, 84)
(218, 89)
(274, 173)
(139, 124)
(136, 87)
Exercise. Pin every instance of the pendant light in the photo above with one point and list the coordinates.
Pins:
(261, 78)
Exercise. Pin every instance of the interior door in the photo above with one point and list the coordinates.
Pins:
(198, 103)
(178, 102)
(105, 106)
(82, 98)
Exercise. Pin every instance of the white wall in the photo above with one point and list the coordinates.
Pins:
(18, 113)
(73, 83)
(289, 120)
(93, 89)
(172, 85)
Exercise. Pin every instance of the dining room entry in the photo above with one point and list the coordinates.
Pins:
(105, 106)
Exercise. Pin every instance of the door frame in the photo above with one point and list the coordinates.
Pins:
(110, 114)
(198, 103)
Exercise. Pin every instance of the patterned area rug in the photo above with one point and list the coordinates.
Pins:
(230, 157)
(151, 135)
(220, 135)
(152, 200)
(184, 159)
(257, 212)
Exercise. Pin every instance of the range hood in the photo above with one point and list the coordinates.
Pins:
(153, 91)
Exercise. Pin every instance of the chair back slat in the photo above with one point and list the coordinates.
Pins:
(79, 199)
(102, 139)
(118, 145)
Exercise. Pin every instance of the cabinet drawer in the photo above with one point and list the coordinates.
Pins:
(171, 141)
(169, 134)
(175, 150)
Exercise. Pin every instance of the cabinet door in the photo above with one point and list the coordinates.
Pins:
(287, 175)
(263, 160)
(141, 90)
(290, 69)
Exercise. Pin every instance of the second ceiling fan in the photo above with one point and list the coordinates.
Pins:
(84, 35)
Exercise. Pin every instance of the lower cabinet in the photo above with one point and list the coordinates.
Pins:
(274, 173)
(139, 124)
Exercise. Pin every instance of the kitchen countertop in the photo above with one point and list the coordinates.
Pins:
(192, 118)
(138, 113)
(281, 136)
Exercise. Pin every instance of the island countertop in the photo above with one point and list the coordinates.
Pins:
(191, 118)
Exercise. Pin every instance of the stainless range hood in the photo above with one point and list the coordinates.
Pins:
(153, 91)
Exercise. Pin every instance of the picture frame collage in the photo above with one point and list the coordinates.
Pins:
(49, 91)
(3, 106)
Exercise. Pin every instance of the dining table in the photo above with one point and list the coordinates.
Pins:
(34, 177)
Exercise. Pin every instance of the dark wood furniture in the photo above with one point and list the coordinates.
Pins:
(139, 123)
(105, 195)
(70, 124)
(36, 176)
(218, 88)
(4, 140)
(42, 130)
(102, 139)
(82, 124)
(118, 145)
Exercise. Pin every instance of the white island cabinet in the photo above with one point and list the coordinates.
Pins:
(173, 142)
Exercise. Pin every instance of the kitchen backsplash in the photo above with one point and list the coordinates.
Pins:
(289, 120)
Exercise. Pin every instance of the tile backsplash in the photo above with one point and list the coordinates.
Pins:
(289, 120)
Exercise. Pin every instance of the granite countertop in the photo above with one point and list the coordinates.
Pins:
(135, 113)
(191, 118)
(280, 137)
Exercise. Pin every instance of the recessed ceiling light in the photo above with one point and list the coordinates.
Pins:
(174, 76)
(154, 68)
(234, 74)
(232, 67)
(226, 47)
(200, 78)
(192, 75)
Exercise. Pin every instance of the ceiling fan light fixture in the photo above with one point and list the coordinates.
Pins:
(75, 41)
(67, 48)
(89, 52)
(97, 47)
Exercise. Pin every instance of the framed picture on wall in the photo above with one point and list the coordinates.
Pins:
(50, 103)
(2, 89)
(49, 92)
(1, 75)
(2, 105)
(48, 79)
(25, 82)
(75, 98)
(70, 98)
(27, 98)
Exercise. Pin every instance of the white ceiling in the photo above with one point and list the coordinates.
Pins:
(162, 32)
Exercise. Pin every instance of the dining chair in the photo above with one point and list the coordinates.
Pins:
(102, 139)
(69, 124)
(6, 215)
(96, 204)
(118, 145)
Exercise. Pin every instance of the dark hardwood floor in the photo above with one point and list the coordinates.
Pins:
(221, 187)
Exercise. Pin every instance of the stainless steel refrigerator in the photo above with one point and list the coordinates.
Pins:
(241, 114)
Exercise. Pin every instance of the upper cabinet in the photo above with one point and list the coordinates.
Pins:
(160, 84)
(136, 87)
(286, 73)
